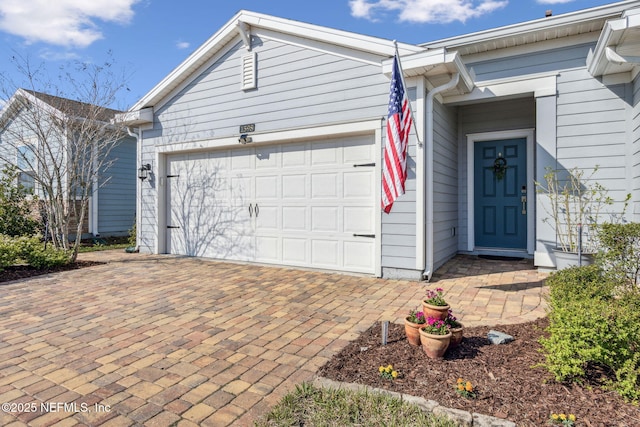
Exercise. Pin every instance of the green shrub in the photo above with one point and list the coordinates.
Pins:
(620, 251)
(9, 251)
(593, 321)
(16, 218)
(38, 256)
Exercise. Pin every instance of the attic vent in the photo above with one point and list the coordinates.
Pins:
(249, 71)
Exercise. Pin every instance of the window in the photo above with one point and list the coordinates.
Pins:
(25, 161)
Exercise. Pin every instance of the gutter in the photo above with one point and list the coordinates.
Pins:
(138, 184)
(428, 262)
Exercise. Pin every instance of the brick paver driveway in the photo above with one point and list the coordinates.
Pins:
(159, 340)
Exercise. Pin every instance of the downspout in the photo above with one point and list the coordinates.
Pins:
(428, 262)
(138, 185)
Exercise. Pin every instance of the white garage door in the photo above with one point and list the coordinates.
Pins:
(306, 204)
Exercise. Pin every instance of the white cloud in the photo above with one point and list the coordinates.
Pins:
(430, 11)
(70, 23)
(183, 45)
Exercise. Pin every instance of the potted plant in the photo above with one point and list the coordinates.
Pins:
(412, 324)
(435, 337)
(434, 304)
(576, 204)
(456, 328)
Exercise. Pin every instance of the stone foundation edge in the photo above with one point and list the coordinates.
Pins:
(460, 417)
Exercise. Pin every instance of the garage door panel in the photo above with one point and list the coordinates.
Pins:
(267, 157)
(267, 249)
(324, 185)
(325, 219)
(294, 155)
(358, 151)
(359, 219)
(310, 202)
(294, 250)
(358, 184)
(266, 217)
(294, 186)
(267, 187)
(324, 253)
(294, 218)
(324, 153)
(358, 255)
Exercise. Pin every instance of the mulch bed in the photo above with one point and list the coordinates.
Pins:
(24, 271)
(509, 385)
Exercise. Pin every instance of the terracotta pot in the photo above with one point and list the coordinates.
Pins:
(456, 336)
(436, 311)
(412, 330)
(434, 345)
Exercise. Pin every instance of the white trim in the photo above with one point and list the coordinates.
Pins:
(419, 126)
(378, 196)
(258, 22)
(536, 84)
(287, 135)
(531, 193)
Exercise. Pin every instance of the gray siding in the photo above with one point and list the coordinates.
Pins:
(296, 87)
(592, 129)
(399, 226)
(117, 197)
(487, 117)
(445, 185)
(532, 63)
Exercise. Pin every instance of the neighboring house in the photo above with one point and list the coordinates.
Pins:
(112, 205)
(265, 144)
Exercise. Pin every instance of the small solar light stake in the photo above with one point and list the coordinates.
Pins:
(385, 331)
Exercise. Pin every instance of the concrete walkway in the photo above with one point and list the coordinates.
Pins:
(159, 340)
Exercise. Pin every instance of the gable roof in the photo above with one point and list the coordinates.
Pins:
(553, 27)
(242, 24)
(56, 105)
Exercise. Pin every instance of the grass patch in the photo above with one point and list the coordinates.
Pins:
(312, 406)
(106, 244)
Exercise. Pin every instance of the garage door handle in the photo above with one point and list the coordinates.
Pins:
(250, 210)
(257, 210)
(372, 236)
(364, 165)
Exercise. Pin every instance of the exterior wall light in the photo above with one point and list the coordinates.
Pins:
(143, 172)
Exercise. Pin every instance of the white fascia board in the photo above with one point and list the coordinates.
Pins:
(329, 35)
(537, 85)
(604, 55)
(244, 20)
(574, 18)
(420, 63)
(135, 117)
(310, 133)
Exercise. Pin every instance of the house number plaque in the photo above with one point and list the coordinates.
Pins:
(248, 128)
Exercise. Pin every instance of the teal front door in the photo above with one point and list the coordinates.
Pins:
(500, 175)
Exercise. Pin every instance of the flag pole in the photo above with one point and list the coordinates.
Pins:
(404, 84)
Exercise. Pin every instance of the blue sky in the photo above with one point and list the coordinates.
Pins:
(149, 38)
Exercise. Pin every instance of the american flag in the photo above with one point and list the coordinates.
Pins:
(394, 168)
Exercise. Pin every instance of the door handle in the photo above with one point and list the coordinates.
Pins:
(257, 210)
(523, 199)
(250, 210)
